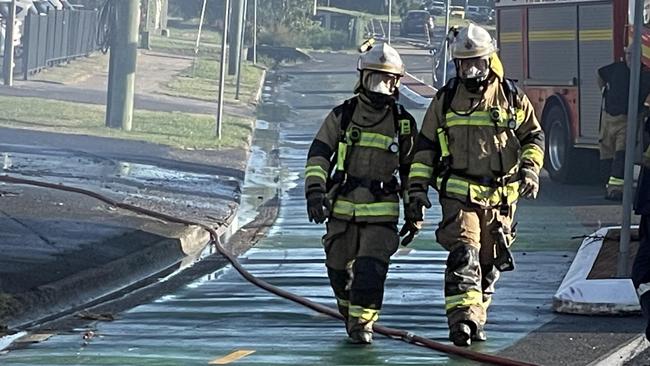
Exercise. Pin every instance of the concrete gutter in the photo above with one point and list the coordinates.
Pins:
(624, 353)
(96, 285)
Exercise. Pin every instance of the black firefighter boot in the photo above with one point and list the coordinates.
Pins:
(461, 333)
(359, 330)
(479, 335)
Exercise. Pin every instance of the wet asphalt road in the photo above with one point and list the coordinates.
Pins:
(221, 313)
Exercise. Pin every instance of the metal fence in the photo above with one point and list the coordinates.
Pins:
(56, 37)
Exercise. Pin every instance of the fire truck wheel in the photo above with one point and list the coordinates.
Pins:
(560, 154)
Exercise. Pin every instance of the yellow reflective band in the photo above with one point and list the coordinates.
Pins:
(647, 153)
(478, 118)
(343, 303)
(419, 170)
(510, 37)
(471, 297)
(533, 153)
(376, 140)
(369, 315)
(340, 156)
(486, 304)
(520, 117)
(489, 196)
(613, 181)
(315, 171)
(595, 34)
(552, 35)
(347, 208)
(405, 127)
(444, 143)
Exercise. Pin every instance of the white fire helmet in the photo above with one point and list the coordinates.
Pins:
(382, 58)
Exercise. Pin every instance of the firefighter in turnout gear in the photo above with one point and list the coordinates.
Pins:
(356, 164)
(482, 148)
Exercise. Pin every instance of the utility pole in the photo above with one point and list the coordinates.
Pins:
(121, 73)
(222, 76)
(254, 32)
(315, 7)
(623, 266)
(390, 18)
(235, 32)
(241, 49)
(10, 27)
(445, 44)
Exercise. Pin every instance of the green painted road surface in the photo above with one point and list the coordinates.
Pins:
(222, 313)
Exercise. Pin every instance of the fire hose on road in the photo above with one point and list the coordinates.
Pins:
(394, 333)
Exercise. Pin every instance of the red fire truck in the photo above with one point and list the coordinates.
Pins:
(554, 48)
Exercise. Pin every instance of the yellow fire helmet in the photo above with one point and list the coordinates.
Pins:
(473, 41)
(382, 58)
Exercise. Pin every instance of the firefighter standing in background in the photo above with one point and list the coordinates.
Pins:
(351, 180)
(482, 148)
(614, 79)
(641, 268)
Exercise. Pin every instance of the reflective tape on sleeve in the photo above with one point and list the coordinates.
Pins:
(315, 171)
(419, 170)
(533, 153)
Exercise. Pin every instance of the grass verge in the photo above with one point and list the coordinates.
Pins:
(200, 82)
(76, 70)
(181, 41)
(181, 130)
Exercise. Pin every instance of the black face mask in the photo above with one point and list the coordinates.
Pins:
(475, 85)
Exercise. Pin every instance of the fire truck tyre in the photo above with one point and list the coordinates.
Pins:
(559, 148)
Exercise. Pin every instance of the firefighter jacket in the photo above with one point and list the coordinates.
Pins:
(473, 152)
(358, 165)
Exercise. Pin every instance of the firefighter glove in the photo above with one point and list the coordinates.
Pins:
(410, 229)
(318, 207)
(529, 183)
(418, 200)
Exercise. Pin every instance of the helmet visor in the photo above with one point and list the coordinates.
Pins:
(380, 82)
(473, 68)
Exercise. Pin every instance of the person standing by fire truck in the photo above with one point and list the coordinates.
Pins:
(614, 80)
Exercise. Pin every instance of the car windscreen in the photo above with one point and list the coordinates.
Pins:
(417, 16)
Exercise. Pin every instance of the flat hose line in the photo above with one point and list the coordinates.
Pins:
(389, 332)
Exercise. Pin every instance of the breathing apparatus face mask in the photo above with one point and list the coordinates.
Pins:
(473, 72)
(380, 83)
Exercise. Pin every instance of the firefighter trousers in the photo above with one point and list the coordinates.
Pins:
(357, 256)
(466, 231)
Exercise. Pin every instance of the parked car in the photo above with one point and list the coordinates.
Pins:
(479, 14)
(457, 12)
(435, 7)
(417, 21)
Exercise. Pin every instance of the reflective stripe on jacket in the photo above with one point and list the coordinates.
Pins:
(375, 148)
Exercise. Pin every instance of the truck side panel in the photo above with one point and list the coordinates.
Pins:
(553, 49)
(596, 49)
(510, 42)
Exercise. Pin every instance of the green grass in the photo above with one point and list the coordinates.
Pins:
(183, 40)
(181, 130)
(76, 70)
(201, 82)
